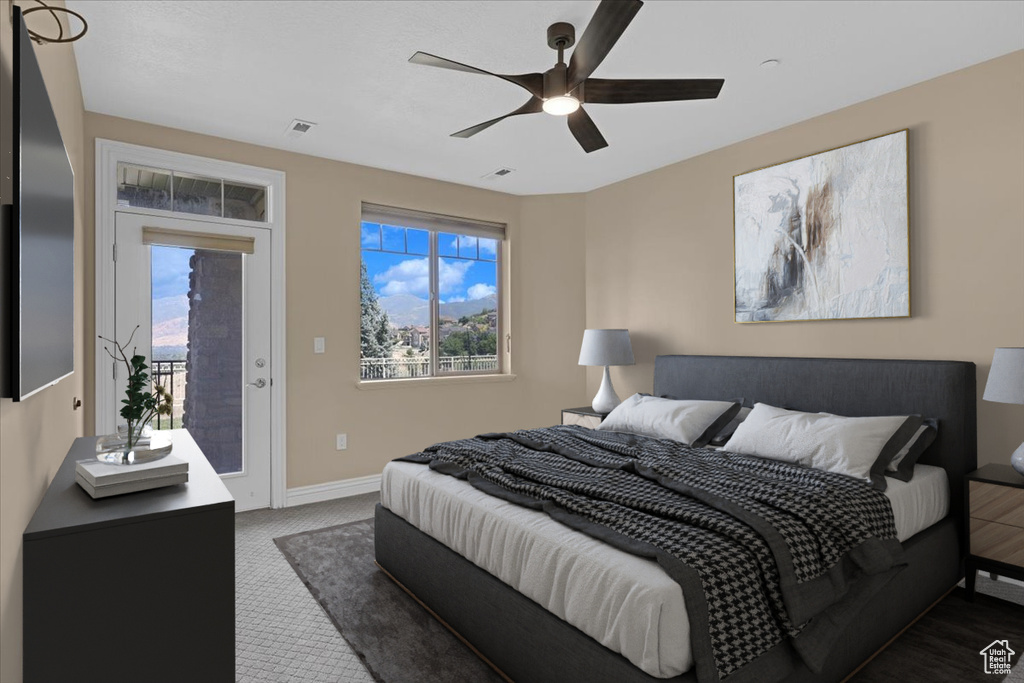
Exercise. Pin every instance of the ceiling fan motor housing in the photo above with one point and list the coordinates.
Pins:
(561, 35)
(556, 81)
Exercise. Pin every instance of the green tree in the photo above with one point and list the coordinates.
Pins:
(487, 344)
(375, 337)
(457, 344)
(469, 343)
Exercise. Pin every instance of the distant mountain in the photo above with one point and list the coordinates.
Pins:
(173, 332)
(406, 309)
(170, 321)
(458, 309)
(169, 352)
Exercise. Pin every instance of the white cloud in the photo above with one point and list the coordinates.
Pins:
(489, 247)
(370, 236)
(412, 276)
(480, 290)
(454, 300)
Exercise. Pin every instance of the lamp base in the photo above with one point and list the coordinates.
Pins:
(1017, 459)
(606, 398)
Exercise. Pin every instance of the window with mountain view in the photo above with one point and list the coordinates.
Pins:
(430, 295)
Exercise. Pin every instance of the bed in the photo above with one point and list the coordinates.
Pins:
(527, 642)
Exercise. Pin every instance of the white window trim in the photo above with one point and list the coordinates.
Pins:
(108, 154)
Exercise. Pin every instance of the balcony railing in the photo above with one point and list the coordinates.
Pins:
(170, 374)
(400, 368)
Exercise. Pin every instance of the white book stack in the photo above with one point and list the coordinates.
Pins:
(100, 479)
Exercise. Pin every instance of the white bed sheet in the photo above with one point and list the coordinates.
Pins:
(920, 502)
(626, 603)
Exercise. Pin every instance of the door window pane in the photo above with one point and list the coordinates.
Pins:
(197, 347)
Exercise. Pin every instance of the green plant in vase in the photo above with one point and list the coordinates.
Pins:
(141, 404)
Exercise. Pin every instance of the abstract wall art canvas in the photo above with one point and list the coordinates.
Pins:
(825, 237)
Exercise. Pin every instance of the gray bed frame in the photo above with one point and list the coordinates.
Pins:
(528, 644)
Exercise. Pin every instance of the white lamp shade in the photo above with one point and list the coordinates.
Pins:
(1006, 378)
(606, 347)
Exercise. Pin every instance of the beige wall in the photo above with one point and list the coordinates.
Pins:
(660, 250)
(323, 211)
(35, 434)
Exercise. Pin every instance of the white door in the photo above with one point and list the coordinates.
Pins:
(199, 294)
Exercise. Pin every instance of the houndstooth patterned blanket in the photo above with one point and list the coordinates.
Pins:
(759, 547)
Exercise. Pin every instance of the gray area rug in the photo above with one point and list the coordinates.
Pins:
(397, 639)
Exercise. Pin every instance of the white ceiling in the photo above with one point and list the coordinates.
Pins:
(243, 70)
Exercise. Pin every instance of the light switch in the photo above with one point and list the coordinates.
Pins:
(318, 344)
(342, 441)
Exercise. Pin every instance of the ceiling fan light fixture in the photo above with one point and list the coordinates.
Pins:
(563, 105)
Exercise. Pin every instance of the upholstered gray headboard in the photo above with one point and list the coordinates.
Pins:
(945, 390)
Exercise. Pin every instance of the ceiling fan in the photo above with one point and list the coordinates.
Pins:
(562, 89)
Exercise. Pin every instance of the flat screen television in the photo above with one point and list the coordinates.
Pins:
(41, 234)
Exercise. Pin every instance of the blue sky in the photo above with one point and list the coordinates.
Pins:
(169, 276)
(469, 271)
(170, 271)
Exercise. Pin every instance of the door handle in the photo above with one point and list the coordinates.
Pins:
(259, 383)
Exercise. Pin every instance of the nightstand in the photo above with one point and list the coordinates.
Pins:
(995, 522)
(584, 417)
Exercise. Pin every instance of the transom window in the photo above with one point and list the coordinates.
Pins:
(430, 293)
(156, 188)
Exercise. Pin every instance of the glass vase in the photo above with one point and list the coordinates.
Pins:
(150, 445)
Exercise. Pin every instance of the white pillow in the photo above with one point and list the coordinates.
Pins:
(860, 447)
(693, 423)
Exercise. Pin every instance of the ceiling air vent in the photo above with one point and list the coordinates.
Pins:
(297, 128)
(500, 173)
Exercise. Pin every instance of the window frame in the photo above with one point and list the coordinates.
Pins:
(435, 225)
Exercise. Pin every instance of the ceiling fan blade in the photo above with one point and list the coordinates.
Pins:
(605, 27)
(605, 91)
(532, 83)
(585, 131)
(533, 106)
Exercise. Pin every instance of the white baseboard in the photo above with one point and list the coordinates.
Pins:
(317, 493)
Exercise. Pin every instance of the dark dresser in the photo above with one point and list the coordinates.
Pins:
(137, 587)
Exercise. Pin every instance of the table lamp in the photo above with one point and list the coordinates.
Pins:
(606, 347)
(1006, 385)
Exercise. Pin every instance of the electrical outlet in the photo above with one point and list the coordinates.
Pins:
(318, 344)
(341, 442)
